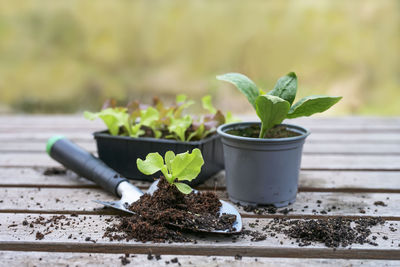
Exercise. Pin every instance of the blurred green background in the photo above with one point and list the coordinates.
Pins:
(68, 56)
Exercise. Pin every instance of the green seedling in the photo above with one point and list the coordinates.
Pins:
(275, 106)
(117, 117)
(136, 119)
(175, 168)
(113, 118)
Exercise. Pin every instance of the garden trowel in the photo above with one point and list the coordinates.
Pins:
(86, 165)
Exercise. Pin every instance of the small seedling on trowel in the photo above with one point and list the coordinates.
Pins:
(86, 165)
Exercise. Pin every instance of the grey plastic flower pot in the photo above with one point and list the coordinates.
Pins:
(262, 171)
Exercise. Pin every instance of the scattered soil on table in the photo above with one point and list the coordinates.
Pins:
(58, 222)
(124, 259)
(279, 131)
(54, 171)
(332, 232)
(268, 209)
(380, 203)
(39, 236)
(168, 214)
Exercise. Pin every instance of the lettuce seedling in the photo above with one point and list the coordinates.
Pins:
(206, 101)
(117, 117)
(113, 118)
(275, 106)
(136, 119)
(178, 126)
(150, 117)
(182, 103)
(181, 167)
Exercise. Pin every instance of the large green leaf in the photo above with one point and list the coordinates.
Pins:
(271, 110)
(152, 164)
(244, 84)
(186, 166)
(184, 188)
(286, 87)
(312, 104)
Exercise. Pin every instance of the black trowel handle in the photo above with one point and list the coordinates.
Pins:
(83, 163)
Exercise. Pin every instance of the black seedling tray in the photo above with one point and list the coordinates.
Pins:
(121, 152)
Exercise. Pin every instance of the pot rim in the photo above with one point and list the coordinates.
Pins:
(105, 134)
(222, 128)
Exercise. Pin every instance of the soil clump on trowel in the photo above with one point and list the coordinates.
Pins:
(168, 214)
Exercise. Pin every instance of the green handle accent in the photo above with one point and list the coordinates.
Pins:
(52, 140)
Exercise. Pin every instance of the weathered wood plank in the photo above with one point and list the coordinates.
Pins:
(309, 148)
(322, 137)
(22, 237)
(26, 177)
(334, 181)
(65, 119)
(352, 181)
(314, 162)
(19, 258)
(80, 200)
(313, 127)
(40, 147)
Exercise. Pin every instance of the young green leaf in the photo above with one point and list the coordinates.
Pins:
(186, 166)
(207, 104)
(229, 118)
(243, 84)
(183, 105)
(135, 131)
(271, 110)
(286, 87)
(184, 188)
(149, 116)
(152, 164)
(113, 118)
(312, 104)
(199, 132)
(179, 126)
(181, 98)
(169, 156)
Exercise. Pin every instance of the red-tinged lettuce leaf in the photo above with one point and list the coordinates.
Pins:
(109, 103)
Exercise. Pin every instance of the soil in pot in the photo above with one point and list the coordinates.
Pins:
(166, 215)
(253, 131)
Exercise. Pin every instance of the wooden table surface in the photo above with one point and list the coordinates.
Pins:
(348, 162)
